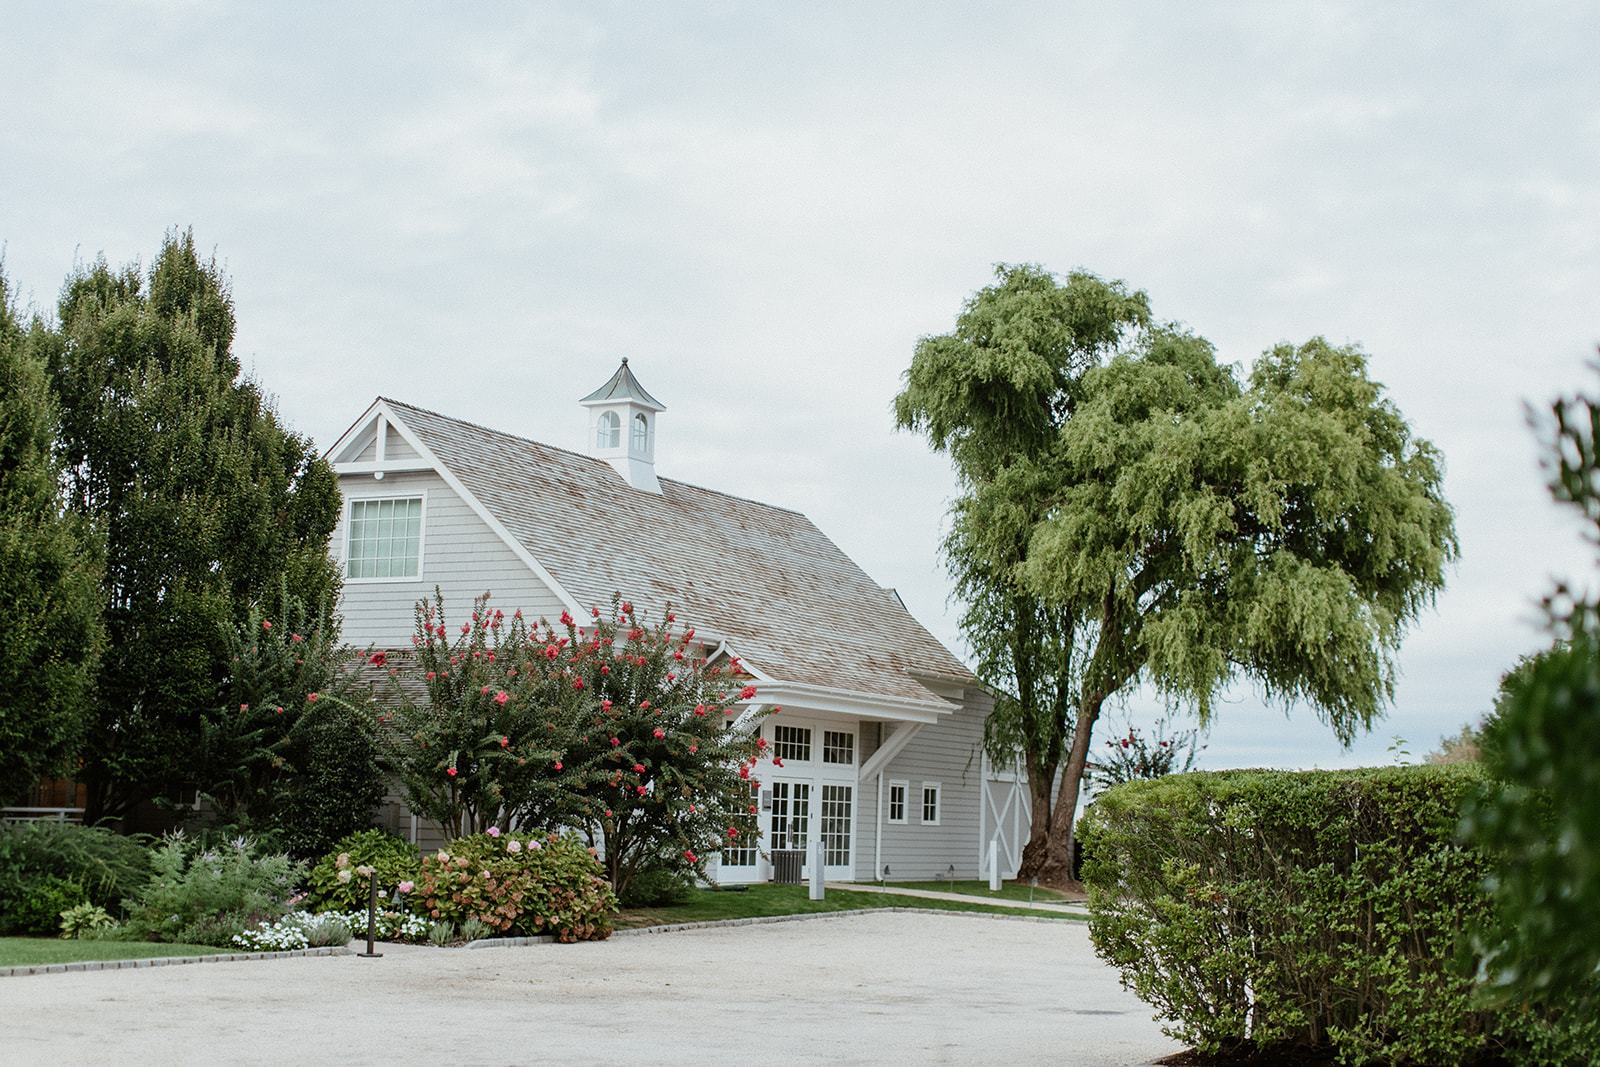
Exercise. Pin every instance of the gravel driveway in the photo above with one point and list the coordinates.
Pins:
(866, 988)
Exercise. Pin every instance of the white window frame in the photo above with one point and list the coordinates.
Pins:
(938, 803)
(422, 536)
(850, 748)
(808, 744)
(905, 801)
(639, 442)
(608, 430)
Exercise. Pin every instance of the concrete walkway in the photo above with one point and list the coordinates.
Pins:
(864, 988)
(1071, 910)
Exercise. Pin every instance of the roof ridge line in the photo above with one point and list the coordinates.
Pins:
(580, 455)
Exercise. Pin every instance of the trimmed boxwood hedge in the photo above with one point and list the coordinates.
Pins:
(1276, 910)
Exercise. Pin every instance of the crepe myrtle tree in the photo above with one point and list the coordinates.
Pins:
(616, 729)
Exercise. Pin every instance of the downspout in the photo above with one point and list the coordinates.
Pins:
(877, 846)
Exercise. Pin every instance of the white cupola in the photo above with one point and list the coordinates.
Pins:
(622, 428)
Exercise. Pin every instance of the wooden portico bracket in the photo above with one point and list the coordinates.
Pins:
(891, 748)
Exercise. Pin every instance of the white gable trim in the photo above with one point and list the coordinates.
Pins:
(380, 411)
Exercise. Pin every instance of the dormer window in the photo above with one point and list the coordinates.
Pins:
(641, 435)
(608, 430)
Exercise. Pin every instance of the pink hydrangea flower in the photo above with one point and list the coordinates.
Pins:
(406, 887)
(494, 831)
(513, 846)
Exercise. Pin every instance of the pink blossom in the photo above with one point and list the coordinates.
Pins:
(493, 831)
(747, 692)
(690, 857)
(265, 625)
(451, 772)
(432, 676)
(513, 846)
(501, 697)
(244, 707)
(465, 627)
(641, 790)
(296, 638)
(638, 768)
(406, 887)
(659, 732)
(504, 741)
(312, 697)
(558, 765)
(577, 683)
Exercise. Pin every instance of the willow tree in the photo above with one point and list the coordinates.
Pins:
(206, 503)
(1197, 531)
(995, 393)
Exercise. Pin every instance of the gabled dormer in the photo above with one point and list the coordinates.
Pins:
(622, 428)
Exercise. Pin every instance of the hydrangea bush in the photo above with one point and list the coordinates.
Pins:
(334, 884)
(519, 885)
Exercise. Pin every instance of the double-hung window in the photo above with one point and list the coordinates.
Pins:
(897, 800)
(930, 803)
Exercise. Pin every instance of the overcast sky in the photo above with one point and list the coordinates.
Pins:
(481, 208)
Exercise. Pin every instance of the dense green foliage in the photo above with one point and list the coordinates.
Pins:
(1542, 746)
(46, 867)
(1320, 909)
(333, 884)
(205, 896)
(519, 885)
(995, 393)
(614, 729)
(1190, 531)
(205, 501)
(48, 575)
(277, 755)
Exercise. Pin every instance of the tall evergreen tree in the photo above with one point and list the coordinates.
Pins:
(205, 500)
(48, 572)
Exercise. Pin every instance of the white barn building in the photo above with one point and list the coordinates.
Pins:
(881, 729)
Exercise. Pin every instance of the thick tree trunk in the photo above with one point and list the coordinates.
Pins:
(1041, 776)
(1057, 866)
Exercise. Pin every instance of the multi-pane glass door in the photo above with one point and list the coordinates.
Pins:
(791, 815)
(835, 826)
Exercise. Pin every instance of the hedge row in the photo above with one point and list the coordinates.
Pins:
(1324, 909)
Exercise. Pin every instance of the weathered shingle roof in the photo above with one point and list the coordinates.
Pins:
(786, 598)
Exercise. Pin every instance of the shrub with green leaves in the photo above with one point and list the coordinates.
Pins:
(37, 858)
(334, 883)
(1277, 911)
(519, 884)
(205, 896)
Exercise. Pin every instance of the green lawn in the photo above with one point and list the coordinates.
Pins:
(32, 951)
(1008, 890)
(762, 900)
